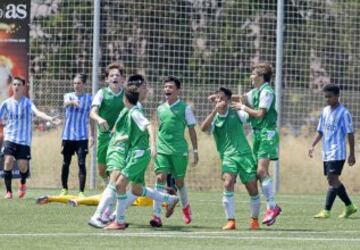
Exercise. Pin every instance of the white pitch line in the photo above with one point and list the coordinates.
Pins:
(200, 235)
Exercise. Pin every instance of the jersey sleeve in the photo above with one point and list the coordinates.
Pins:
(33, 107)
(347, 122)
(2, 110)
(244, 117)
(140, 120)
(249, 99)
(320, 127)
(66, 97)
(266, 99)
(189, 117)
(97, 100)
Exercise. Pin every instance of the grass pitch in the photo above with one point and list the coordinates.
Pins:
(25, 225)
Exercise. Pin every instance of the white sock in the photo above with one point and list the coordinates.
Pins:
(158, 196)
(157, 204)
(130, 198)
(120, 208)
(107, 198)
(267, 190)
(183, 195)
(228, 204)
(255, 206)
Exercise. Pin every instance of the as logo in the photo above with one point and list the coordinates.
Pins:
(13, 11)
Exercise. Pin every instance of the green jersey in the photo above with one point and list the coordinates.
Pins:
(229, 134)
(172, 123)
(109, 104)
(263, 97)
(137, 129)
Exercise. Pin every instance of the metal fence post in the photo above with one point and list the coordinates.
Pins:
(95, 79)
(278, 80)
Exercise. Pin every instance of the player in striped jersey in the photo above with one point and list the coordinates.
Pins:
(75, 136)
(334, 126)
(16, 114)
(106, 107)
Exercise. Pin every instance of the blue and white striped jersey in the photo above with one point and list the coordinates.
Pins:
(334, 124)
(17, 118)
(77, 118)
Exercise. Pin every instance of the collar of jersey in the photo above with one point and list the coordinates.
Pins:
(121, 90)
(172, 105)
(263, 86)
(226, 114)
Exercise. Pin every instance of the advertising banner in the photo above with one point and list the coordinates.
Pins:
(14, 49)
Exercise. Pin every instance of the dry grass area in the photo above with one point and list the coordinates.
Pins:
(299, 174)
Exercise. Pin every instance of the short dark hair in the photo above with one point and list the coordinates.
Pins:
(82, 77)
(132, 94)
(226, 91)
(174, 80)
(136, 80)
(117, 66)
(19, 78)
(332, 88)
(265, 70)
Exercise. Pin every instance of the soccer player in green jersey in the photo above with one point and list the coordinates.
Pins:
(172, 150)
(226, 124)
(106, 106)
(136, 128)
(259, 103)
(117, 153)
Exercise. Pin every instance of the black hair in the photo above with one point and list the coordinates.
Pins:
(19, 78)
(82, 77)
(174, 80)
(332, 88)
(136, 80)
(132, 94)
(226, 91)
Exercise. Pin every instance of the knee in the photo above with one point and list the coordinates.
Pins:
(179, 183)
(261, 173)
(160, 178)
(228, 185)
(137, 190)
(101, 171)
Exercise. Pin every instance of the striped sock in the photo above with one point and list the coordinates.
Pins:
(228, 204)
(107, 198)
(267, 190)
(183, 195)
(121, 208)
(255, 206)
(157, 204)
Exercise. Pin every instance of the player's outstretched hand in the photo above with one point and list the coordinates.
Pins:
(311, 152)
(56, 121)
(351, 160)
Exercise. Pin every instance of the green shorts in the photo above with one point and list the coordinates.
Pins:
(136, 166)
(242, 165)
(103, 141)
(265, 144)
(175, 164)
(116, 157)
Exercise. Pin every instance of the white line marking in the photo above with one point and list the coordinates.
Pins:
(197, 235)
